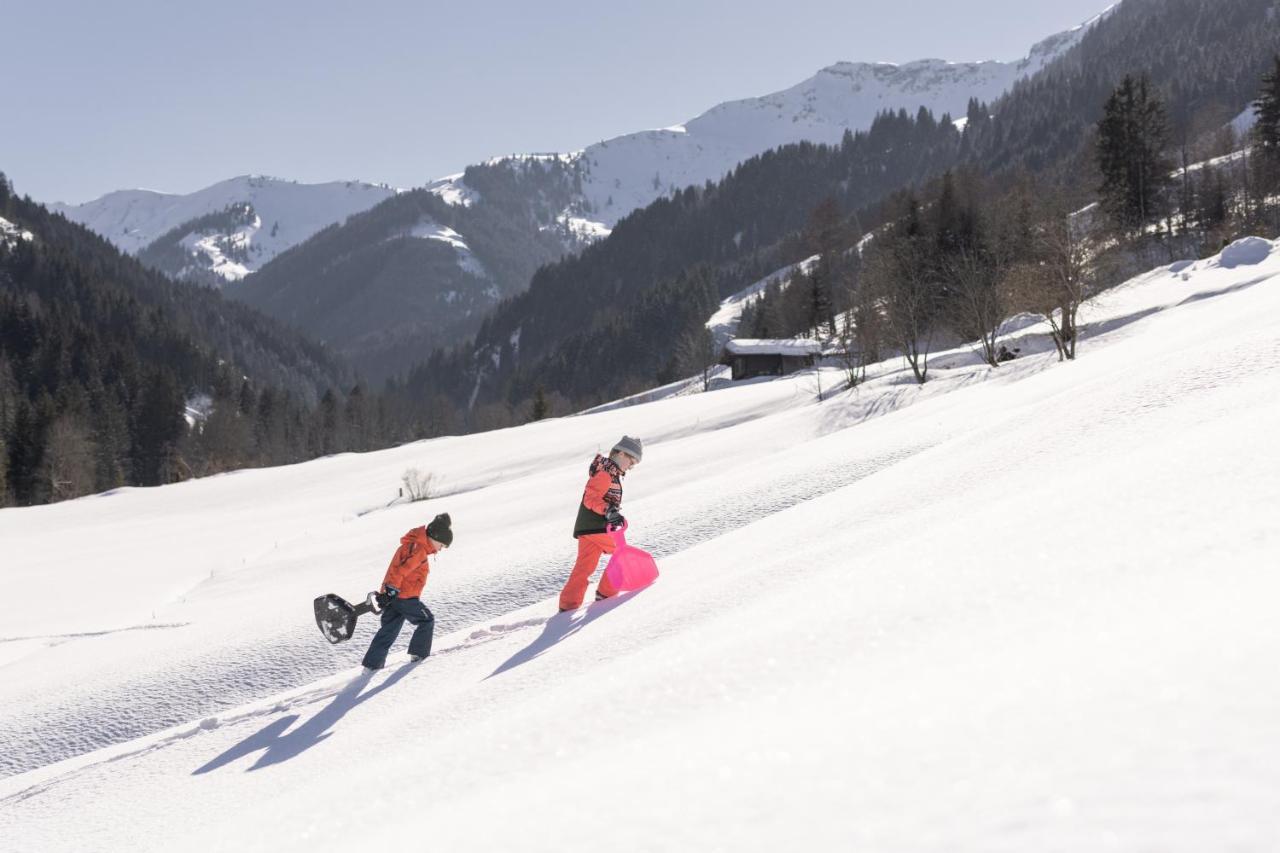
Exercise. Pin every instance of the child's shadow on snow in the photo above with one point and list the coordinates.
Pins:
(280, 744)
(561, 626)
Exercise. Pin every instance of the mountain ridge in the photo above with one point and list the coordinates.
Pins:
(284, 214)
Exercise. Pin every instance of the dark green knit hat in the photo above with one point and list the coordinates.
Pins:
(439, 529)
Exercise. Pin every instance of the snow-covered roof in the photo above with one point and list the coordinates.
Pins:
(773, 346)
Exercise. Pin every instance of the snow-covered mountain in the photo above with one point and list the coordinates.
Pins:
(611, 178)
(385, 302)
(278, 214)
(1019, 609)
(628, 172)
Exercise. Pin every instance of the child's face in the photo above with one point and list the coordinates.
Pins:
(439, 546)
(625, 460)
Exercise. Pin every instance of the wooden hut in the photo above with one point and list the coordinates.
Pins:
(748, 357)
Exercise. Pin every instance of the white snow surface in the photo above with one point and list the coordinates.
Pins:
(777, 346)
(11, 234)
(429, 229)
(1018, 609)
(132, 219)
(453, 190)
(210, 248)
(1244, 122)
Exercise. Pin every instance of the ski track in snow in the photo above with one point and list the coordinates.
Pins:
(912, 606)
(157, 627)
(331, 687)
(1040, 619)
(232, 676)
(42, 731)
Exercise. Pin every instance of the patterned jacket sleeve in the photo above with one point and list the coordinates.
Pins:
(594, 496)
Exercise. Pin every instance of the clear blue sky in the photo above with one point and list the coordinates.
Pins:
(176, 95)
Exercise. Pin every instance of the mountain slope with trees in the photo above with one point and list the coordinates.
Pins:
(753, 222)
(386, 301)
(100, 357)
(392, 282)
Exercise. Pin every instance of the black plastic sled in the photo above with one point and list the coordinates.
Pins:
(336, 617)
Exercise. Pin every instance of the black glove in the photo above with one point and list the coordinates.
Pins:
(390, 592)
(614, 518)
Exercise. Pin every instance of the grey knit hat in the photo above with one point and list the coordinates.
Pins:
(631, 446)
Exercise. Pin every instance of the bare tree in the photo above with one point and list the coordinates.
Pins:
(977, 306)
(417, 485)
(68, 464)
(695, 354)
(1057, 279)
(899, 272)
(223, 439)
(861, 334)
(490, 416)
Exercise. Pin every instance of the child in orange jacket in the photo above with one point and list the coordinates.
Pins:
(597, 512)
(401, 588)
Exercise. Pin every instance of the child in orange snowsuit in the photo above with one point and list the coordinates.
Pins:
(597, 512)
(401, 587)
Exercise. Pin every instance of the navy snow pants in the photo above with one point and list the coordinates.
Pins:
(397, 612)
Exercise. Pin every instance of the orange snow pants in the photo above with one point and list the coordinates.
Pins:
(590, 547)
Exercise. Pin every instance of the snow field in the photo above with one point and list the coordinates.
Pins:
(1025, 608)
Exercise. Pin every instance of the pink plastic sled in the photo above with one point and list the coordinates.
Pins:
(629, 568)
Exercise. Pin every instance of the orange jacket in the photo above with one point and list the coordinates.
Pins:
(597, 487)
(409, 567)
(604, 490)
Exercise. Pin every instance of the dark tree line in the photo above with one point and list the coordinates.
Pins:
(112, 375)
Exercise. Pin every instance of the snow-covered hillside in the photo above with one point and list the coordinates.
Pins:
(10, 234)
(1020, 609)
(284, 214)
(629, 172)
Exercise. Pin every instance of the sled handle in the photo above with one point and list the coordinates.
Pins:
(369, 605)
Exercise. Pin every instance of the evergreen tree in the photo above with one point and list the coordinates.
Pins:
(359, 421)
(1266, 130)
(824, 239)
(330, 433)
(1132, 141)
(541, 409)
(158, 425)
(26, 452)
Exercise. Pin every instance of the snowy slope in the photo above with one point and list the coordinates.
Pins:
(1019, 609)
(629, 172)
(11, 234)
(723, 324)
(286, 214)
